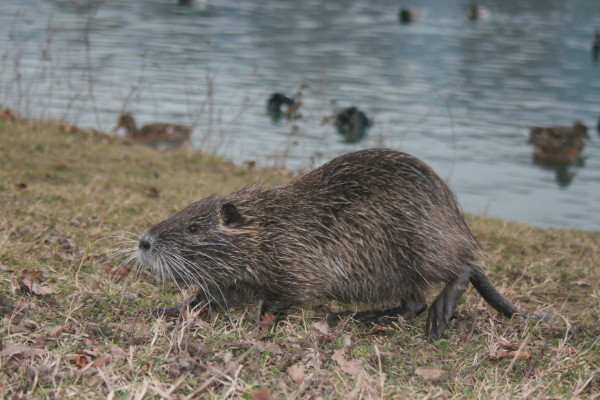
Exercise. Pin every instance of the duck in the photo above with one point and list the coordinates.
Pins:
(156, 133)
(558, 144)
(596, 46)
(473, 13)
(405, 16)
(198, 3)
(352, 123)
(477, 12)
(280, 104)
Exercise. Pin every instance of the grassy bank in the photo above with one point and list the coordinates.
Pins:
(75, 326)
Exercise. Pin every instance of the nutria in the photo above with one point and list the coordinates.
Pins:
(376, 227)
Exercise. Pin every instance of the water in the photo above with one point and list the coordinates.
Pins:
(456, 93)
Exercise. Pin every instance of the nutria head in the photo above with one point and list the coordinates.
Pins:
(200, 245)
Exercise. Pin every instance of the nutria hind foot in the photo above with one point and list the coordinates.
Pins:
(443, 307)
(407, 311)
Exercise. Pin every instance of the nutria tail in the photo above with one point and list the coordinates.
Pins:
(490, 294)
(496, 300)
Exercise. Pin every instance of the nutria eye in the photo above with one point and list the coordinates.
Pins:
(193, 228)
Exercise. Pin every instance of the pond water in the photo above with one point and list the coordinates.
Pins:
(459, 94)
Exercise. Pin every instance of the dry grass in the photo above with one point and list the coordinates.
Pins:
(88, 333)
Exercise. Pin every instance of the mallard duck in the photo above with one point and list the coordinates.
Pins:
(280, 104)
(476, 12)
(405, 16)
(197, 3)
(596, 46)
(558, 144)
(473, 13)
(352, 124)
(153, 133)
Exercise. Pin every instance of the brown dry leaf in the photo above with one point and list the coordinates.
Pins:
(29, 286)
(93, 280)
(68, 128)
(152, 191)
(312, 358)
(102, 361)
(80, 360)
(267, 320)
(61, 166)
(561, 350)
(580, 283)
(231, 366)
(517, 355)
(95, 352)
(15, 350)
(429, 373)
(267, 346)
(322, 326)
(58, 329)
(7, 115)
(262, 394)
(297, 372)
(90, 342)
(78, 223)
(117, 274)
(117, 352)
(31, 275)
(506, 345)
(351, 367)
(228, 357)
(40, 341)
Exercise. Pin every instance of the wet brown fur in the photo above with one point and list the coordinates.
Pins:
(376, 226)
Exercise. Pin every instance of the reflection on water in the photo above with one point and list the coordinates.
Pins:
(458, 93)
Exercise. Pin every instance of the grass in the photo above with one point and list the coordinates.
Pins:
(86, 331)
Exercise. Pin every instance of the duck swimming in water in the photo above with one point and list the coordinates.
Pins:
(157, 133)
(405, 16)
(596, 46)
(280, 104)
(558, 144)
(352, 123)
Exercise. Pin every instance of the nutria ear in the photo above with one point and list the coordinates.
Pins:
(231, 216)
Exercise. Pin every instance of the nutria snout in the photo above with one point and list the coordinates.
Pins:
(376, 227)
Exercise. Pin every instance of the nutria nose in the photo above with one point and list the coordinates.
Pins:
(145, 242)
